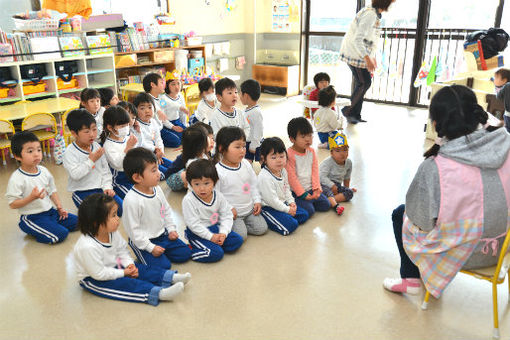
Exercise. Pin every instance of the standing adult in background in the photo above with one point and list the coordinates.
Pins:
(358, 51)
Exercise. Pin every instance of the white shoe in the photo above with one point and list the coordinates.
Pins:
(408, 286)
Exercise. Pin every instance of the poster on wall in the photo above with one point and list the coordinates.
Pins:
(281, 15)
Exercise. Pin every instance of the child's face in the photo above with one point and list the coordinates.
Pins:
(31, 154)
(145, 112)
(235, 152)
(160, 86)
(150, 176)
(322, 84)
(86, 136)
(203, 187)
(276, 161)
(228, 97)
(498, 81)
(210, 140)
(340, 154)
(114, 101)
(174, 87)
(92, 105)
(113, 221)
(302, 141)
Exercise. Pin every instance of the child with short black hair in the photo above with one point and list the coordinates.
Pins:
(250, 94)
(108, 97)
(31, 189)
(326, 120)
(85, 162)
(104, 265)
(150, 132)
(502, 83)
(278, 206)
(207, 104)
(208, 215)
(90, 100)
(238, 182)
(303, 168)
(148, 216)
(321, 80)
(227, 114)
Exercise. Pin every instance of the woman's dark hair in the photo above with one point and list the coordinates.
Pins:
(93, 212)
(271, 145)
(201, 168)
(327, 96)
(226, 136)
(205, 84)
(456, 113)
(381, 4)
(88, 94)
(106, 96)
(129, 107)
(194, 143)
(114, 115)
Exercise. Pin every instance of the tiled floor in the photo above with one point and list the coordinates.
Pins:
(323, 282)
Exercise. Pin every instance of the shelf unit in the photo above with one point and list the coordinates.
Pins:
(97, 71)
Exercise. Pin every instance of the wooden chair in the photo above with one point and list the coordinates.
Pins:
(192, 98)
(44, 126)
(6, 132)
(495, 275)
(66, 133)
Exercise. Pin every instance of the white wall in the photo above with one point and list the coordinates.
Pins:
(8, 9)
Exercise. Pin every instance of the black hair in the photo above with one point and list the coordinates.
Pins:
(129, 107)
(88, 94)
(21, 138)
(106, 96)
(320, 77)
(224, 84)
(93, 212)
(150, 78)
(504, 73)
(114, 115)
(136, 161)
(299, 125)
(206, 127)
(327, 96)
(205, 84)
(143, 98)
(79, 119)
(252, 88)
(226, 136)
(167, 89)
(272, 144)
(194, 143)
(201, 168)
(381, 4)
(456, 113)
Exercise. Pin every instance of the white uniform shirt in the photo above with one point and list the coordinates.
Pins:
(275, 191)
(98, 116)
(139, 137)
(114, 152)
(220, 119)
(199, 215)
(22, 183)
(204, 111)
(254, 117)
(239, 186)
(172, 109)
(157, 107)
(83, 173)
(146, 216)
(151, 135)
(327, 120)
(99, 260)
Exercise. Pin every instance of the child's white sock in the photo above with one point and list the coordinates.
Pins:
(184, 278)
(169, 293)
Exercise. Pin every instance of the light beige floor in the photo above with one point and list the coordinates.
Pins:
(323, 282)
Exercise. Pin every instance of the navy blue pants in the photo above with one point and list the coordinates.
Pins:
(507, 123)
(175, 251)
(252, 156)
(319, 204)
(163, 168)
(324, 136)
(46, 227)
(171, 138)
(145, 288)
(282, 222)
(362, 82)
(205, 251)
(121, 184)
(408, 269)
(79, 196)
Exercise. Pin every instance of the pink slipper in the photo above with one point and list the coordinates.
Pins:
(408, 286)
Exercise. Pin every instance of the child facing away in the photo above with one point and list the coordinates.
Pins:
(303, 168)
(208, 215)
(502, 83)
(90, 100)
(238, 182)
(278, 206)
(321, 80)
(85, 162)
(31, 189)
(150, 132)
(227, 114)
(134, 126)
(250, 94)
(335, 172)
(148, 216)
(105, 267)
(117, 142)
(108, 97)
(207, 104)
(326, 120)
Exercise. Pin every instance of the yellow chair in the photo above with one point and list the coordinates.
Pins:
(133, 88)
(192, 97)
(22, 102)
(6, 129)
(44, 126)
(66, 133)
(495, 275)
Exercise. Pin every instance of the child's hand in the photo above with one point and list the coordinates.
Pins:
(36, 193)
(234, 211)
(172, 236)
(94, 156)
(354, 190)
(334, 188)
(131, 142)
(216, 238)
(292, 209)
(109, 192)
(159, 155)
(157, 251)
(177, 128)
(184, 109)
(257, 207)
(136, 126)
(162, 116)
(309, 197)
(131, 271)
(62, 213)
(316, 194)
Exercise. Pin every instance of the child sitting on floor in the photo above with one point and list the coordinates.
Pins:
(207, 104)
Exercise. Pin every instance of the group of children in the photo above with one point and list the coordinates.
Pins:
(225, 201)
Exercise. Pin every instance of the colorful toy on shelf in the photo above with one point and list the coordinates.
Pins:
(165, 19)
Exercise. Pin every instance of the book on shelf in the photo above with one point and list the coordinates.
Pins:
(45, 44)
(101, 40)
(69, 45)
